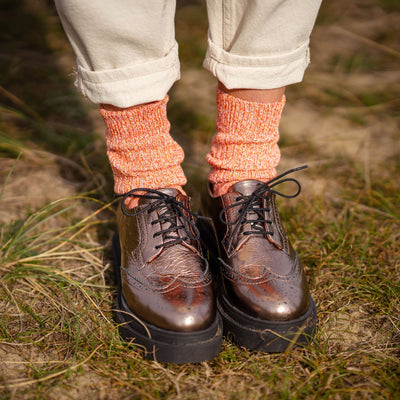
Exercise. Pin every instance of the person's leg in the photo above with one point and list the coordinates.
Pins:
(246, 143)
(127, 62)
(255, 50)
(125, 49)
(257, 44)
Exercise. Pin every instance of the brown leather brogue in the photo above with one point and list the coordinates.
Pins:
(264, 298)
(165, 302)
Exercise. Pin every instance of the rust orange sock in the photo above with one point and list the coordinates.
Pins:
(246, 143)
(141, 151)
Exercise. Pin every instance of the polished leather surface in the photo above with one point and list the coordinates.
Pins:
(165, 278)
(261, 272)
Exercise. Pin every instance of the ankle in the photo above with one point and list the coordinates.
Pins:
(255, 95)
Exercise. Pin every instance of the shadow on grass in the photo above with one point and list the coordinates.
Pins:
(38, 105)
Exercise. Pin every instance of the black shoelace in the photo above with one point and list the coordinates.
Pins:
(170, 211)
(251, 205)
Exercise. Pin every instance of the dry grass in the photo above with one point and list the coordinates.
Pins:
(57, 335)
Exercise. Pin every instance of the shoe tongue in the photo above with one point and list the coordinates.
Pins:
(246, 187)
(169, 191)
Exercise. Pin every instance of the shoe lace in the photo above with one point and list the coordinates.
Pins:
(170, 211)
(252, 212)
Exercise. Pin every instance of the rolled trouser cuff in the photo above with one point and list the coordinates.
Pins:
(131, 85)
(263, 72)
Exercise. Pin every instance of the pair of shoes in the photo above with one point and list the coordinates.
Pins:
(166, 303)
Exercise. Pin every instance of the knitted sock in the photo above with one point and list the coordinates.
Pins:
(246, 143)
(141, 151)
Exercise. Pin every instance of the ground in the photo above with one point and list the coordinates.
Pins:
(57, 336)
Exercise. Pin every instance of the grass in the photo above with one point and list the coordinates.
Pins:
(57, 334)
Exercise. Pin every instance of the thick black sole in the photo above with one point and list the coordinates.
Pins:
(266, 336)
(161, 344)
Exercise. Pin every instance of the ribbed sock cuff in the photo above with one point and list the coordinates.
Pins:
(246, 143)
(141, 151)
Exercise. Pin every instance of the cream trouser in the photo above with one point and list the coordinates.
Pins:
(127, 53)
